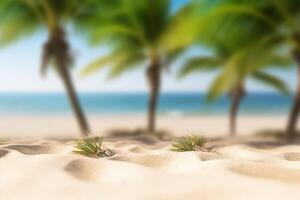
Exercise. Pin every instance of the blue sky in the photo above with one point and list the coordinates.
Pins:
(19, 71)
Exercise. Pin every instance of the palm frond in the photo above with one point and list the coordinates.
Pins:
(209, 21)
(199, 64)
(21, 18)
(182, 30)
(240, 9)
(272, 81)
(112, 32)
(97, 65)
(222, 84)
(283, 11)
(232, 74)
(16, 21)
(123, 57)
(125, 63)
(133, 31)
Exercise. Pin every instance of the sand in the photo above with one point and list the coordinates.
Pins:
(65, 126)
(145, 169)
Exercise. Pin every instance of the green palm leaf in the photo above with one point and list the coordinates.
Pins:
(200, 64)
(221, 84)
(97, 64)
(272, 81)
(135, 33)
(126, 63)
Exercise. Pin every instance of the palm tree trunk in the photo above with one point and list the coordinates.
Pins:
(293, 117)
(153, 77)
(74, 101)
(57, 48)
(237, 95)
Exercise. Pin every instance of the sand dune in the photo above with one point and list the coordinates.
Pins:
(49, 170)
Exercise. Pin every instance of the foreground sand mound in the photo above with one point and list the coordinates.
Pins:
(292, 156)
(244, 152)
(169, 161)
(84, 169)
(3, 152)
(152, 161)
(136, 149)
(141, 171)
(207, 156)
(267, 171)
(131, 148)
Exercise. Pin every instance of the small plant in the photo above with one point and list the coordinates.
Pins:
(92, 147)
(2, 141)
(270, 133)
(190, 143)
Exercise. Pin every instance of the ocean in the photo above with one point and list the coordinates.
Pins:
(173, 104)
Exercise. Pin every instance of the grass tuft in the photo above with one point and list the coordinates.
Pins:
(92, 147)
(189, 143)
(2, 141)
(270, 133)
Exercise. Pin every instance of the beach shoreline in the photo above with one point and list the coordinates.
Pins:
(66, 126)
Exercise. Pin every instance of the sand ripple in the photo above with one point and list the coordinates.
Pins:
(83, 169)
(292, 156)
(31, 149)
(137, 149)
(267, 171)
(206, 156)
(150, 160)
(3, 153)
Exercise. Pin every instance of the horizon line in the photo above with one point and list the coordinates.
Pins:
(129, 92)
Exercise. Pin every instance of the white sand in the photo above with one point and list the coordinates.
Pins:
(143, 169)
(66, 126)
(48, 170)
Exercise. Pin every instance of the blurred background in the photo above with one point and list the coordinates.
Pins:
(82, 67)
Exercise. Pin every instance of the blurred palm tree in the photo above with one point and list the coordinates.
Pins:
(282, 17)
(21, 18)
(242, 22)
(134, 30)
(235, 68)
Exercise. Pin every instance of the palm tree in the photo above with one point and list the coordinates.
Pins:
(134, 30)
(282, 21)
(20, 18)
(235, 68)
(277, 19)
(284, 15)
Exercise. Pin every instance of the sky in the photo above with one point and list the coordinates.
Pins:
(19, 70)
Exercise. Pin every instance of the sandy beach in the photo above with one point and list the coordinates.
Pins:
(66, 126)
(246, 167)
(149, 100)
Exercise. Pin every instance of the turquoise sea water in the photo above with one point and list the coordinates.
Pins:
(136, 103)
